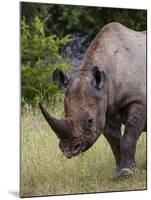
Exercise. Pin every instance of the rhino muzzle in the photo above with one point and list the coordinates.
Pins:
(59, 126)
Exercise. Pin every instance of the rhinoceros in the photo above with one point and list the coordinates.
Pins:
(107, 90)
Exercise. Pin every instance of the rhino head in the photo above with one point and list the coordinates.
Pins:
(84, 107)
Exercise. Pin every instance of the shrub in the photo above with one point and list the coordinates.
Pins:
(40, 55)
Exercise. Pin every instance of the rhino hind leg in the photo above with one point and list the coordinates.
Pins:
(133, 129)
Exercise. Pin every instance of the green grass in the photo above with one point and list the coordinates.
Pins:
(45, 171)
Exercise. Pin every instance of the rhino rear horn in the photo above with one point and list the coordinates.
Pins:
(59, 126)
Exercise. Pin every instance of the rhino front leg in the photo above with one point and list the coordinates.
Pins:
(115, 146)
(112, 134)
(134, 126)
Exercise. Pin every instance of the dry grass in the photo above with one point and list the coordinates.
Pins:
(45, 171)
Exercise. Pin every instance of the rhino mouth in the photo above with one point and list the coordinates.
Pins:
(70, 155)
(78, 148)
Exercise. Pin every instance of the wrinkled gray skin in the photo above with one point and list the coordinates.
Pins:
(108, 89)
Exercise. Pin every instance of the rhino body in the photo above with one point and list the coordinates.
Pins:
(108, 90)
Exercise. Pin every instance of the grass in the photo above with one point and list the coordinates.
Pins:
(45, 171)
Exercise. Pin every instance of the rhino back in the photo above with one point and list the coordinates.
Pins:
(121, 53)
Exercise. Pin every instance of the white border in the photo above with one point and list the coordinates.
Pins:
(9, 98)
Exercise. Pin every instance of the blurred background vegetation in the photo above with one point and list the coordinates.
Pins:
(57, 36)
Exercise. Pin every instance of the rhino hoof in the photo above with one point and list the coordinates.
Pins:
(125, 172)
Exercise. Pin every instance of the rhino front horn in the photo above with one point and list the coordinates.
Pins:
(59, 126)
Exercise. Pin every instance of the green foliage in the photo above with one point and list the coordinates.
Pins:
(40, 56)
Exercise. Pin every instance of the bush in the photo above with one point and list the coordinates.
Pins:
(40, 55)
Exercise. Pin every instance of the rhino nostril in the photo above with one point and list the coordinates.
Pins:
(90, 122)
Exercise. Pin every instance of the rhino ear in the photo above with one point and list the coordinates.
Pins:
(99, 77)
(60, 79)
